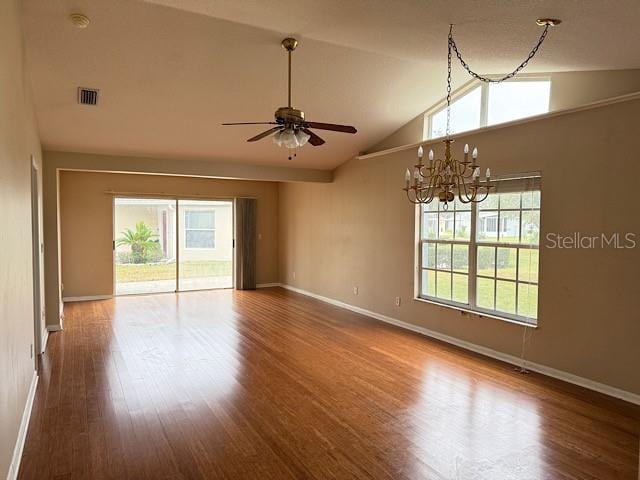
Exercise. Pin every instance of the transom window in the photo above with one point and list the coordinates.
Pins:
(490, 104)
(484, 257)
(200, 228)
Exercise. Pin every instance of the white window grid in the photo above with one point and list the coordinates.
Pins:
(474, 244)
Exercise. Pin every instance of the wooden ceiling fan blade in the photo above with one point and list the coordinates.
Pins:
(264, 134)
(251, 123)
(314, 139)
(331, 126)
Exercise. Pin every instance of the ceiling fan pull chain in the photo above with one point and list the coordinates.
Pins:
(532, 53)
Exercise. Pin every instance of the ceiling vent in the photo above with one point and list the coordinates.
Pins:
(87, 96)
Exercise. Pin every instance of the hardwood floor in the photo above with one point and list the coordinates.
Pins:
(274, 385)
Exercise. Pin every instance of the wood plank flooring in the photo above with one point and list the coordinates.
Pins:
(274, 385)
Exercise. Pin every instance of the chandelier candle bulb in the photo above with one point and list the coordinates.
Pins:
(488, 175)
(466, 152)
(475, 153)
(420, 151)
(407, 178)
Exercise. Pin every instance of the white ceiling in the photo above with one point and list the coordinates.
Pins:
(169, 76)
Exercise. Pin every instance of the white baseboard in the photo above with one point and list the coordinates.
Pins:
(543, 369)
(267, 285)
(22, 433)
(44, 336)
(86, 299)
(54, 328)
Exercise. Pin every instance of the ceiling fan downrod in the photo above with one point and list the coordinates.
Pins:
(289, 44)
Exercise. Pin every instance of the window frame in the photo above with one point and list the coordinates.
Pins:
(472, 272)
(484, 102)
(187, 229)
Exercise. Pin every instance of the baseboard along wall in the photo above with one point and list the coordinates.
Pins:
(89, 298)
(14, 467)
(535, 367)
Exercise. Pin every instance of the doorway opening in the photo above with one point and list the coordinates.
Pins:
(36, 252)
(172, 245)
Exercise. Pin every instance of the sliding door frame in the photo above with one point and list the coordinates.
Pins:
(232, 203)
(176, 199)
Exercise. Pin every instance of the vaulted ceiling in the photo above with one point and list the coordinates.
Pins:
(170, 71)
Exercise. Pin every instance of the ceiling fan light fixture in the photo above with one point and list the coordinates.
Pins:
(290, 128)
(289, 139)
(277, 138)
(302, 138)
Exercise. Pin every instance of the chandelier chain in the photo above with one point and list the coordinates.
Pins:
(532, 53)
(449, 83)
(448, 179)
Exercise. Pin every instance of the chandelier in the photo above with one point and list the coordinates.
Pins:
(447, 178)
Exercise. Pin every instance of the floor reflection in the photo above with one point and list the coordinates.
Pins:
(473, 430)
(271, 384)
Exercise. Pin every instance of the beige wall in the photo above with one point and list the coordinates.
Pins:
(86, 225)
(18, 141)
(568, 90)
(359, 231)
(409, 133)
(572, 89)
(57, 161)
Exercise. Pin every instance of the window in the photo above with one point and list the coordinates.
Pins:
(465, 114)
(518, 99)
(484, 257)
(200, 229)
(490, 104)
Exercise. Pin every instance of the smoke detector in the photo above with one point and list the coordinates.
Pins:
(79, 20)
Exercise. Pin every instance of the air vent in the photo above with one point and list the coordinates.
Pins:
(87, 96)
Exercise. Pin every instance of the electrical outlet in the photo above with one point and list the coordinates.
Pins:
(355, 290)
(397, 301)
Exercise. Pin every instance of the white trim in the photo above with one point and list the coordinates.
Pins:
(479, 313)
(543, 369)
(14, 467)
(556, 113)
(54, 328)
(88, 298)
(267, 285)
(44, 336)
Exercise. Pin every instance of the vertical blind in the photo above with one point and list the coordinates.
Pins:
(245, 233)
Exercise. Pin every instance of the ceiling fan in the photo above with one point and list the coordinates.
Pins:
(292, 130)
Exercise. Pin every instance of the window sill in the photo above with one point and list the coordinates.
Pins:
(463, 311)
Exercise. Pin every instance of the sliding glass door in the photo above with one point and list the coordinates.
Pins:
(144, 245)
(205, 244)
(169, 245)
